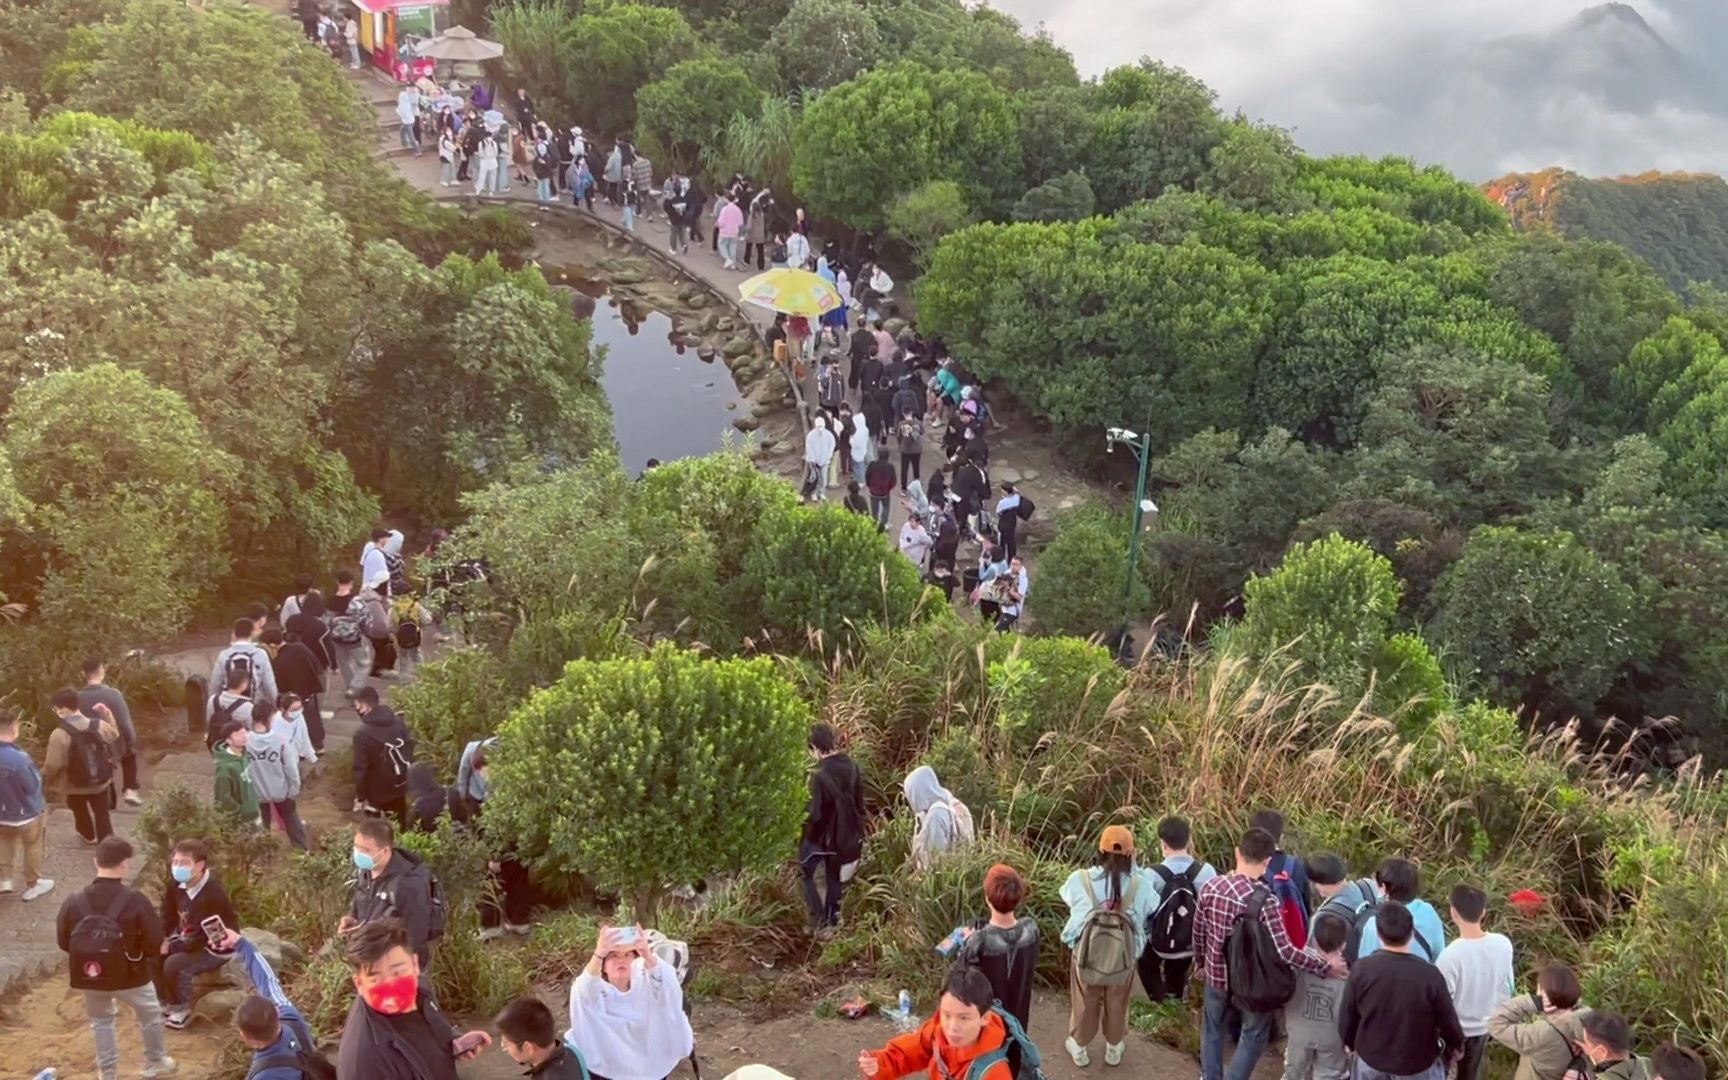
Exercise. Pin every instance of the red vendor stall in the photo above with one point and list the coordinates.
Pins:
(389, 29)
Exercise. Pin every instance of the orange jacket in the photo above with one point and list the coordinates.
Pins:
(916, 1053)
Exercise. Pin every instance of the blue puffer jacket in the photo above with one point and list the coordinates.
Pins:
(20, 786)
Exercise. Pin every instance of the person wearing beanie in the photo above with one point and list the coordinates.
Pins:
(1099, 899)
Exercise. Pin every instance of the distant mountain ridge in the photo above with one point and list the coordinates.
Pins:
(1677, 222)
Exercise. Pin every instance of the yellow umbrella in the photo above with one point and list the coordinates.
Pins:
(795, 292)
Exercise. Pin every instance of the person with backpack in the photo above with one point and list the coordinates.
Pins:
(374, 612)
(944, 822)
(109, 932)
(282, 1044)
(1168, 958)
(232, 703)
(1108, 907)
(833, 837)
(395, 1029)
(299, 670)
(528, 1034)
(244, 654)
(967, 1039)
(1287, 877)
(393, 884)
(1246, 959)
(1004, 947)
(1398, 880)
(909, 433)
(410, 618)
(273, 767)
(1340, 897)
(1478, 971)
(372, 560)
(96, 692)
(232, 789)
(347, 639)
(1011, 509)
(1607, 1042)
(1544, 1028)
(81, 752)
(383, 751)
(1397, 1016)
(23, 814)
(193, 895)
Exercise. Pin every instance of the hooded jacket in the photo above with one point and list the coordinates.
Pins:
(1542, 1041)
(916, 1053)
(21, 797)
(936, 833)
(374, 614)
(470, 784)
(401, 890)
(101, 693)
(274, 765)
(234, 791)
(383, 751)
(428, 799)
(60, 749)
(263, 672)
(299, 670)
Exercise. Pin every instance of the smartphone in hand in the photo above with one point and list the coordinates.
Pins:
(215, 932)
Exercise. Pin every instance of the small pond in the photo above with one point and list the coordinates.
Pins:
(666, 403)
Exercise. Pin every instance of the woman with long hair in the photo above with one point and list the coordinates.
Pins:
(1108, 905)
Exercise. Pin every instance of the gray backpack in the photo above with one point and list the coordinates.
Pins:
(1105, 954)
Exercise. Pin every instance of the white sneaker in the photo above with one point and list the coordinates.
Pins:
(161, 1068)
(176, 1018)
(42, 888)
(523, 929)
(491, 933)
(1113, 1053)
(1077, 1052)
(133, 798)
(7, 886)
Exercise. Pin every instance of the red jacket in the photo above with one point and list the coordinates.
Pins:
(914, 1054)
(880, 478)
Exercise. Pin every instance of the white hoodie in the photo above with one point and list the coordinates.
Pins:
(860, 439)
(819, 444)
(273, 765)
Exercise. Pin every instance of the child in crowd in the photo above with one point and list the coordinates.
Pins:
(1478, 971)
(1315, 1049)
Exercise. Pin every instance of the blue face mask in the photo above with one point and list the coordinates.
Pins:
(362, 861)
(182, 874)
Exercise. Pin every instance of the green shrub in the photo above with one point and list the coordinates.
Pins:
(1408, 684)
(1330, 602)
(451, 702)
(655, 771)
(243, 856)
(1081, 577)
(1058, 684)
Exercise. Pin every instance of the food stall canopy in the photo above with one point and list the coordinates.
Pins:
(373, 7)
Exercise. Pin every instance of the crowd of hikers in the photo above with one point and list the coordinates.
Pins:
(1355, 972)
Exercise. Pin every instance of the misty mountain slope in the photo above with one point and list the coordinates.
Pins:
(1677, 222)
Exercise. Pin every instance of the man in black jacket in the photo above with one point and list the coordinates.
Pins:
(127, 978)
(192, 896)
(383, 751)
(833, 828)
(1397, 1015)
(395, 1030)
(392, 884)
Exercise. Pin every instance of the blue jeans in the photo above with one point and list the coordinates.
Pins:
(1365, 1071)
(543, 190)
(1256, 1032)
(408, 138)
(176, 971)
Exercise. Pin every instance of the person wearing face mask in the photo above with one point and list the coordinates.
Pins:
(395, 1029)
(392, 884)
(107, 972)
(627, 1010)
(1607, 1043)
(194, 896)
(507, 905)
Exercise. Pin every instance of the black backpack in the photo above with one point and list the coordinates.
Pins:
(239, 662)
(437, 915)
(88, 762)
(1260, 981)
(220, 714)
(97, 945)
(1026, 508)
(408, 634)
(1170, 929)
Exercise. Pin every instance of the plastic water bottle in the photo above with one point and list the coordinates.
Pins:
(903, 1018)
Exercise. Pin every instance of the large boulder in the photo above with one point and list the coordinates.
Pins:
(276, 951)
(219, 1006)
(738, 346)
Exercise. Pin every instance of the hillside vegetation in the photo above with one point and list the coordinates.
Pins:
(1676, 222)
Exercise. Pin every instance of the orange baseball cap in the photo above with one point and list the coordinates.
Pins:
(1116, 840)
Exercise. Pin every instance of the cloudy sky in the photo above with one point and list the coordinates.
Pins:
(1482, 86)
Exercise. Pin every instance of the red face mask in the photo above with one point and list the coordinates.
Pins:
(393, 997)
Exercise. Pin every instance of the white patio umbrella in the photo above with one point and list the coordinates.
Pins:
(459, 43)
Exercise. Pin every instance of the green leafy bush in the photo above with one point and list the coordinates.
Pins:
(240, 853)
(1331, 602)
(668, 768)
(1081, 576)
(452, 701)
(1408, 684)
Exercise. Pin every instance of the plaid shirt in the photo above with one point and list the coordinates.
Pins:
(1222, 900)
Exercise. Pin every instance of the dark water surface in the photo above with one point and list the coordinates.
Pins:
(665, 402)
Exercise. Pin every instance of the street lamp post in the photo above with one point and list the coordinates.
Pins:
(1142, 447)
